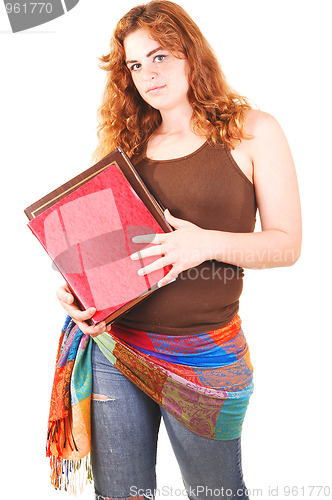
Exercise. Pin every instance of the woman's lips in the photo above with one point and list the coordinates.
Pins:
(156, 89)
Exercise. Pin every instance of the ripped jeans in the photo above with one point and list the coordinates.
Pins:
(125, 425)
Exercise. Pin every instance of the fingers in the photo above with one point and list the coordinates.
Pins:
(79, 315)
(93, 330)
(146, 252)
(67, 301)
(154, 266)
(174, 221)
(169, 278)
(64, 294)
(148, 238)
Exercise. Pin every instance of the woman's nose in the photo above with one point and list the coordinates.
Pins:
(149, 73)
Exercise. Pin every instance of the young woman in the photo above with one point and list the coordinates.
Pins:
(211, 160)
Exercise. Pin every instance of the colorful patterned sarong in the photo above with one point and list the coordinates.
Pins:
(203, 380)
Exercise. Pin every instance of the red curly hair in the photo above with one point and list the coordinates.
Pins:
(126, 120)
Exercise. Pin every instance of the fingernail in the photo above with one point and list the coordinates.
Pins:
(160, 284)
(92, 310)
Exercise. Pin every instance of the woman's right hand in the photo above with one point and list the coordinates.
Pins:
(67, 300)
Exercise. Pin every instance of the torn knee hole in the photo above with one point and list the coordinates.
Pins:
(101, 397)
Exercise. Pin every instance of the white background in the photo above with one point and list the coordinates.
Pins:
(277, 54)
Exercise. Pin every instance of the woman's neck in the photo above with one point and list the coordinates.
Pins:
(176, 121)
(174, 137)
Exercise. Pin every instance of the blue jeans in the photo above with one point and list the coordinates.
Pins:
(125, 425)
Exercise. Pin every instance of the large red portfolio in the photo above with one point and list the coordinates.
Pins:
(87, 225)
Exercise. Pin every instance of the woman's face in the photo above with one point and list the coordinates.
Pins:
(160, 78)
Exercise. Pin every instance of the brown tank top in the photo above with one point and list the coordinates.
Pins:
(209, 189)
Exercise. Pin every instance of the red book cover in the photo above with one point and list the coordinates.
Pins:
(87, 225)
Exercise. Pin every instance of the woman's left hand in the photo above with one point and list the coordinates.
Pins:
(183, 248)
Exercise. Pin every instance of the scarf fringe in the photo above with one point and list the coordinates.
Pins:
(71, 475)
(66, 475)
(60, 434)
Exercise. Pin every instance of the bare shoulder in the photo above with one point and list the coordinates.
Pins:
(270, 153)
(262, 126)
(257, 116)
(257, 124)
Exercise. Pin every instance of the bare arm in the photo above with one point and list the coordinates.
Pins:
(277, 194)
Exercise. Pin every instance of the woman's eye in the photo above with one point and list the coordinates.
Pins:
(159, 58)
(135, 67)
